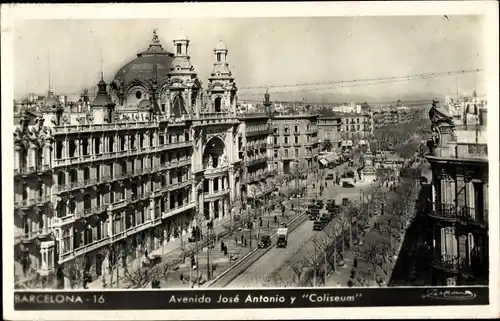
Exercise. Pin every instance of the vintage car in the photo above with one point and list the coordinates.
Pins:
(265, 241)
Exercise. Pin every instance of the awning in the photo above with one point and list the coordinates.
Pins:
(323, 161)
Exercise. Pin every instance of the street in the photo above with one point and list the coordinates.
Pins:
(274, 266)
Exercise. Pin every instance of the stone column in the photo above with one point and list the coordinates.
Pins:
(211, 207)
(211, 186)
(233, 189)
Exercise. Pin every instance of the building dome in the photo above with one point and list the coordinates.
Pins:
(51, 101)
(143, 67)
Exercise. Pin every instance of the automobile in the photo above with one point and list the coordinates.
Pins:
(345, 201)
(318, 225)
(347, 184)
(265, 241)
(329, 177)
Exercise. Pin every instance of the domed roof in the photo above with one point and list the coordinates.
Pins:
(143, 66)
(51, 101)
(220, 46)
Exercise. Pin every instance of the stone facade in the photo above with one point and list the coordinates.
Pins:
(458, 229)
(140, 165)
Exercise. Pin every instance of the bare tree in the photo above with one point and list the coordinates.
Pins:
(139, 278)
(373, 250)
(164, 269)
(74, 270)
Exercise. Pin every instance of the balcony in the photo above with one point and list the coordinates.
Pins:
(257, 161)
(83, 249)
(451, 264)
(117, 205)
(462, 214)
(178, 185)
(215, 194)
(475, 151)
(62, 221)
(179, 209)
(25, 204)
(261, 132)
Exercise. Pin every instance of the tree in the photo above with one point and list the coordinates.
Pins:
(373, 250)
(139, 278)
(164, 269)
(326, 145)
(74, 271)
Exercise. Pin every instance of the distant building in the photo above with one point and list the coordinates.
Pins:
(329, 128)
(295, 142)
(356, 126)
(458, 231)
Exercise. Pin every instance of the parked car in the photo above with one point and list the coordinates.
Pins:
(329, 177)
(347, 184)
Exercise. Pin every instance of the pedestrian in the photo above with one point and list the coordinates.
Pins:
(292, 207)
(236, 239)
(269, 224)
(242, 238)
(245, 242)
(182, 278)
(221, 246)
(275, 219)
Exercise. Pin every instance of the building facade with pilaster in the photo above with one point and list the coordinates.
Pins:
(151, 156)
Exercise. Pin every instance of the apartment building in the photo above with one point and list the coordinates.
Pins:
(458, 219)
(136, 166)
(295, 142)
(356, 126)
(329, 128)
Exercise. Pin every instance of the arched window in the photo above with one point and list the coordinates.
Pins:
(178, 107)
(219, 55)
(138, 94)
(179, 49)
(218, 104)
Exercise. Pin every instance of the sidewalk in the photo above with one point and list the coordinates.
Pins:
(172, 250)
(169, 251)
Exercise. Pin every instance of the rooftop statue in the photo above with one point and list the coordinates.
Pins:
(156, 40)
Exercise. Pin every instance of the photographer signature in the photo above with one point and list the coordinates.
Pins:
(451, 294)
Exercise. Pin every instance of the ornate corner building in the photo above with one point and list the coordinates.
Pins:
(150, 157)
(458, 232)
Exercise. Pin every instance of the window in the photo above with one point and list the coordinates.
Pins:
(179, 49)
(219, 55)
(286, 130)
(111, 144)
(296, 140)
(275, 140)
(72, 148)
(59, 149)
(296, 152)
(286, 140)
(276, 153)
(61, 178)
(122, 143)
(448, 245)
(275, 130)
(86, 173)
(357, 126)
(141, 141)
(296, 129)
(286, 152)
(138, 94)
(162, 139)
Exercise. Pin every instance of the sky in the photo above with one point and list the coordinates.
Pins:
(264, 52)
